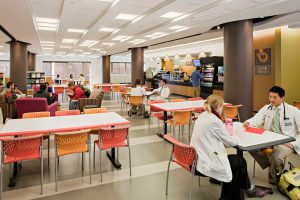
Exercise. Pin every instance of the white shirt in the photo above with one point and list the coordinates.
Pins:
(138, 91)
(209, 137)
(289, 126)
(164, 92)
(81, 80)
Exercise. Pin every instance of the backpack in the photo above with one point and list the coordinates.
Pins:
(289, 183)
(87, 92)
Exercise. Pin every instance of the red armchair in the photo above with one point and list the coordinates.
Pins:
(25, 105)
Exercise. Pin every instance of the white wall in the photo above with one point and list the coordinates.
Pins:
(120, 78)
(96, 64)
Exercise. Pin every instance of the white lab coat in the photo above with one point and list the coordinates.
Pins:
(289, 126)
(81, 80)
(164, 93)
(138, 91)
(209, 137)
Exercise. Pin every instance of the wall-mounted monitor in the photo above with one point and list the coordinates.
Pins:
(197, 63)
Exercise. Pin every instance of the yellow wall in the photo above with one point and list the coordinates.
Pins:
(168, 65)
(288, 68)
(188, 69)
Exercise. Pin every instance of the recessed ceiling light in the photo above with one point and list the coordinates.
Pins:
(105, 0)
(40, 24)
(47, 45)
(72, 30)
(137, 41)
(158, 36)
(65, 47)
(181, 17)
(159, 33)
(176, 27)
(60, 52)
(182, 29)
(126, 38)
(171, 15)
(137, 19)
(71, 41)
(78, 50)
(108, 43)
(95, 49)
(46, 24)
(107, 29)
(115, 31)
(124, 16)
(46, 20)
(149, 36)
(87, 43)
(121, 37)
(47, 42)
(48, 48)
(87, 53)
(46, 29)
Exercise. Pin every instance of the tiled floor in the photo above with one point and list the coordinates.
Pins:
(150, 156)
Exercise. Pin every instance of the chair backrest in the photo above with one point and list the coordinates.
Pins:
(183, 154)
(72, 142)
(105, 88)
(67, 112)
(153, 109)
(36, 115)
(114, 136)
(231, 111)
(297, 104)
(94, 110)
(59, 90)
(182, 116)
(136, 100)
(21, 148)
(116, 88)
(195, 99)
(177, 100)
(25, 105)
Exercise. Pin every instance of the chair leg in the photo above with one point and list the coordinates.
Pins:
(94, 155)
(1, 179)
(42, 168)
(90, 170)
(168, 174)
(49, 150)
(56, 168)
(82, 161)
(100, 164)
(129, 160)
(253, 168)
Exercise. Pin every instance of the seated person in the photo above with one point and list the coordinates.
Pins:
(10, 93)
(77, 93)
(163, 92)
(137, 90)
(18, 92)
(49, 88)
(42, 93)
(209, 137)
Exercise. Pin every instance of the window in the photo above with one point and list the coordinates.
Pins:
(120, 68)
(4, 67)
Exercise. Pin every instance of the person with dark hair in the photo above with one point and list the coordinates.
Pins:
(81, 80)
(49, 89)
(57, 80)
(137, 90)
(42, 93)
(196, 78)
(281, 118)
(77, 93)
(163, 92)
(10, 94)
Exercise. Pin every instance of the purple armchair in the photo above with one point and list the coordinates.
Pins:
(25, 105)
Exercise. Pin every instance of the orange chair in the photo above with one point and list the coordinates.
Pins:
(67, 112)
(40, 115)
(112, 137)
(232, 111)
(21, 149)
(94, 110)
(116, 89)
(106, 90)
(177, 100)
(185, 156)
(124, 97)
(195, 99)
(60, 90)
(155, 112)
(69, 143)
(297, 104)
(136, 101)
(181, 118)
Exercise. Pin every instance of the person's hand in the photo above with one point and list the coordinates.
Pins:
(289, 145)
(246, 125)
(158, 93)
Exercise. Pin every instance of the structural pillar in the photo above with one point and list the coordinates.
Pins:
(19, 64)
(106, 69)
(238, 58)
(31, 61)
(137, 64)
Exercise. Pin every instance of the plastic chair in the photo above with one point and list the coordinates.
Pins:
(112, 137)
(185, 156)
(116, 89)
(181, 118)
(195, 99)
(94, 110)
(157, 113)
(40, 115)
(136, 101)
(70, 143)
(297, 104)
(106, 90)
(196, 110)
(21, 149)
(177, 100)
(124, 98)
(232, 112)
(266, 151)
(60, 90)
(67, 112)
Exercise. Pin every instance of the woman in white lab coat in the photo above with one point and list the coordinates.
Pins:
(137, 90)
(209, 137)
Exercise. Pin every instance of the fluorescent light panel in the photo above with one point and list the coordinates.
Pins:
(46, 29)
(124, 16)
(108, 43)
(121, 37)
(137, 41)
(65, 47)
(176, 27)
(87, 43)
(107, 29)
(78, 50)
(46, 20)
(171, 15)
(46, 24)
(72, 30)
(71, 41)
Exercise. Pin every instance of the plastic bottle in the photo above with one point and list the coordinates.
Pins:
(229, 126)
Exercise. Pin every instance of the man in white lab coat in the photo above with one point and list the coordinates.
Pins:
(281, 118)
(163, 92)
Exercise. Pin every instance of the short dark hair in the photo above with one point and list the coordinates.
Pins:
(164, 80)
(46, 83)
(8, 84)
(198, 68)
(71, 84)
(137, 82)
(43, 86)
(276, 89)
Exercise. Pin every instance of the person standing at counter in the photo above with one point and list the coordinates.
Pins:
(196, 78)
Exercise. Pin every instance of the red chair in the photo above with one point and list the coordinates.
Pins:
(112, 137)
(185, 156)
(67, 112)
(21, 149)
(157, 113)
(60, 90)
(106, 89)
(195, 99)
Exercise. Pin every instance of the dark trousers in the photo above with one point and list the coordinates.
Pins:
(240, 179)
